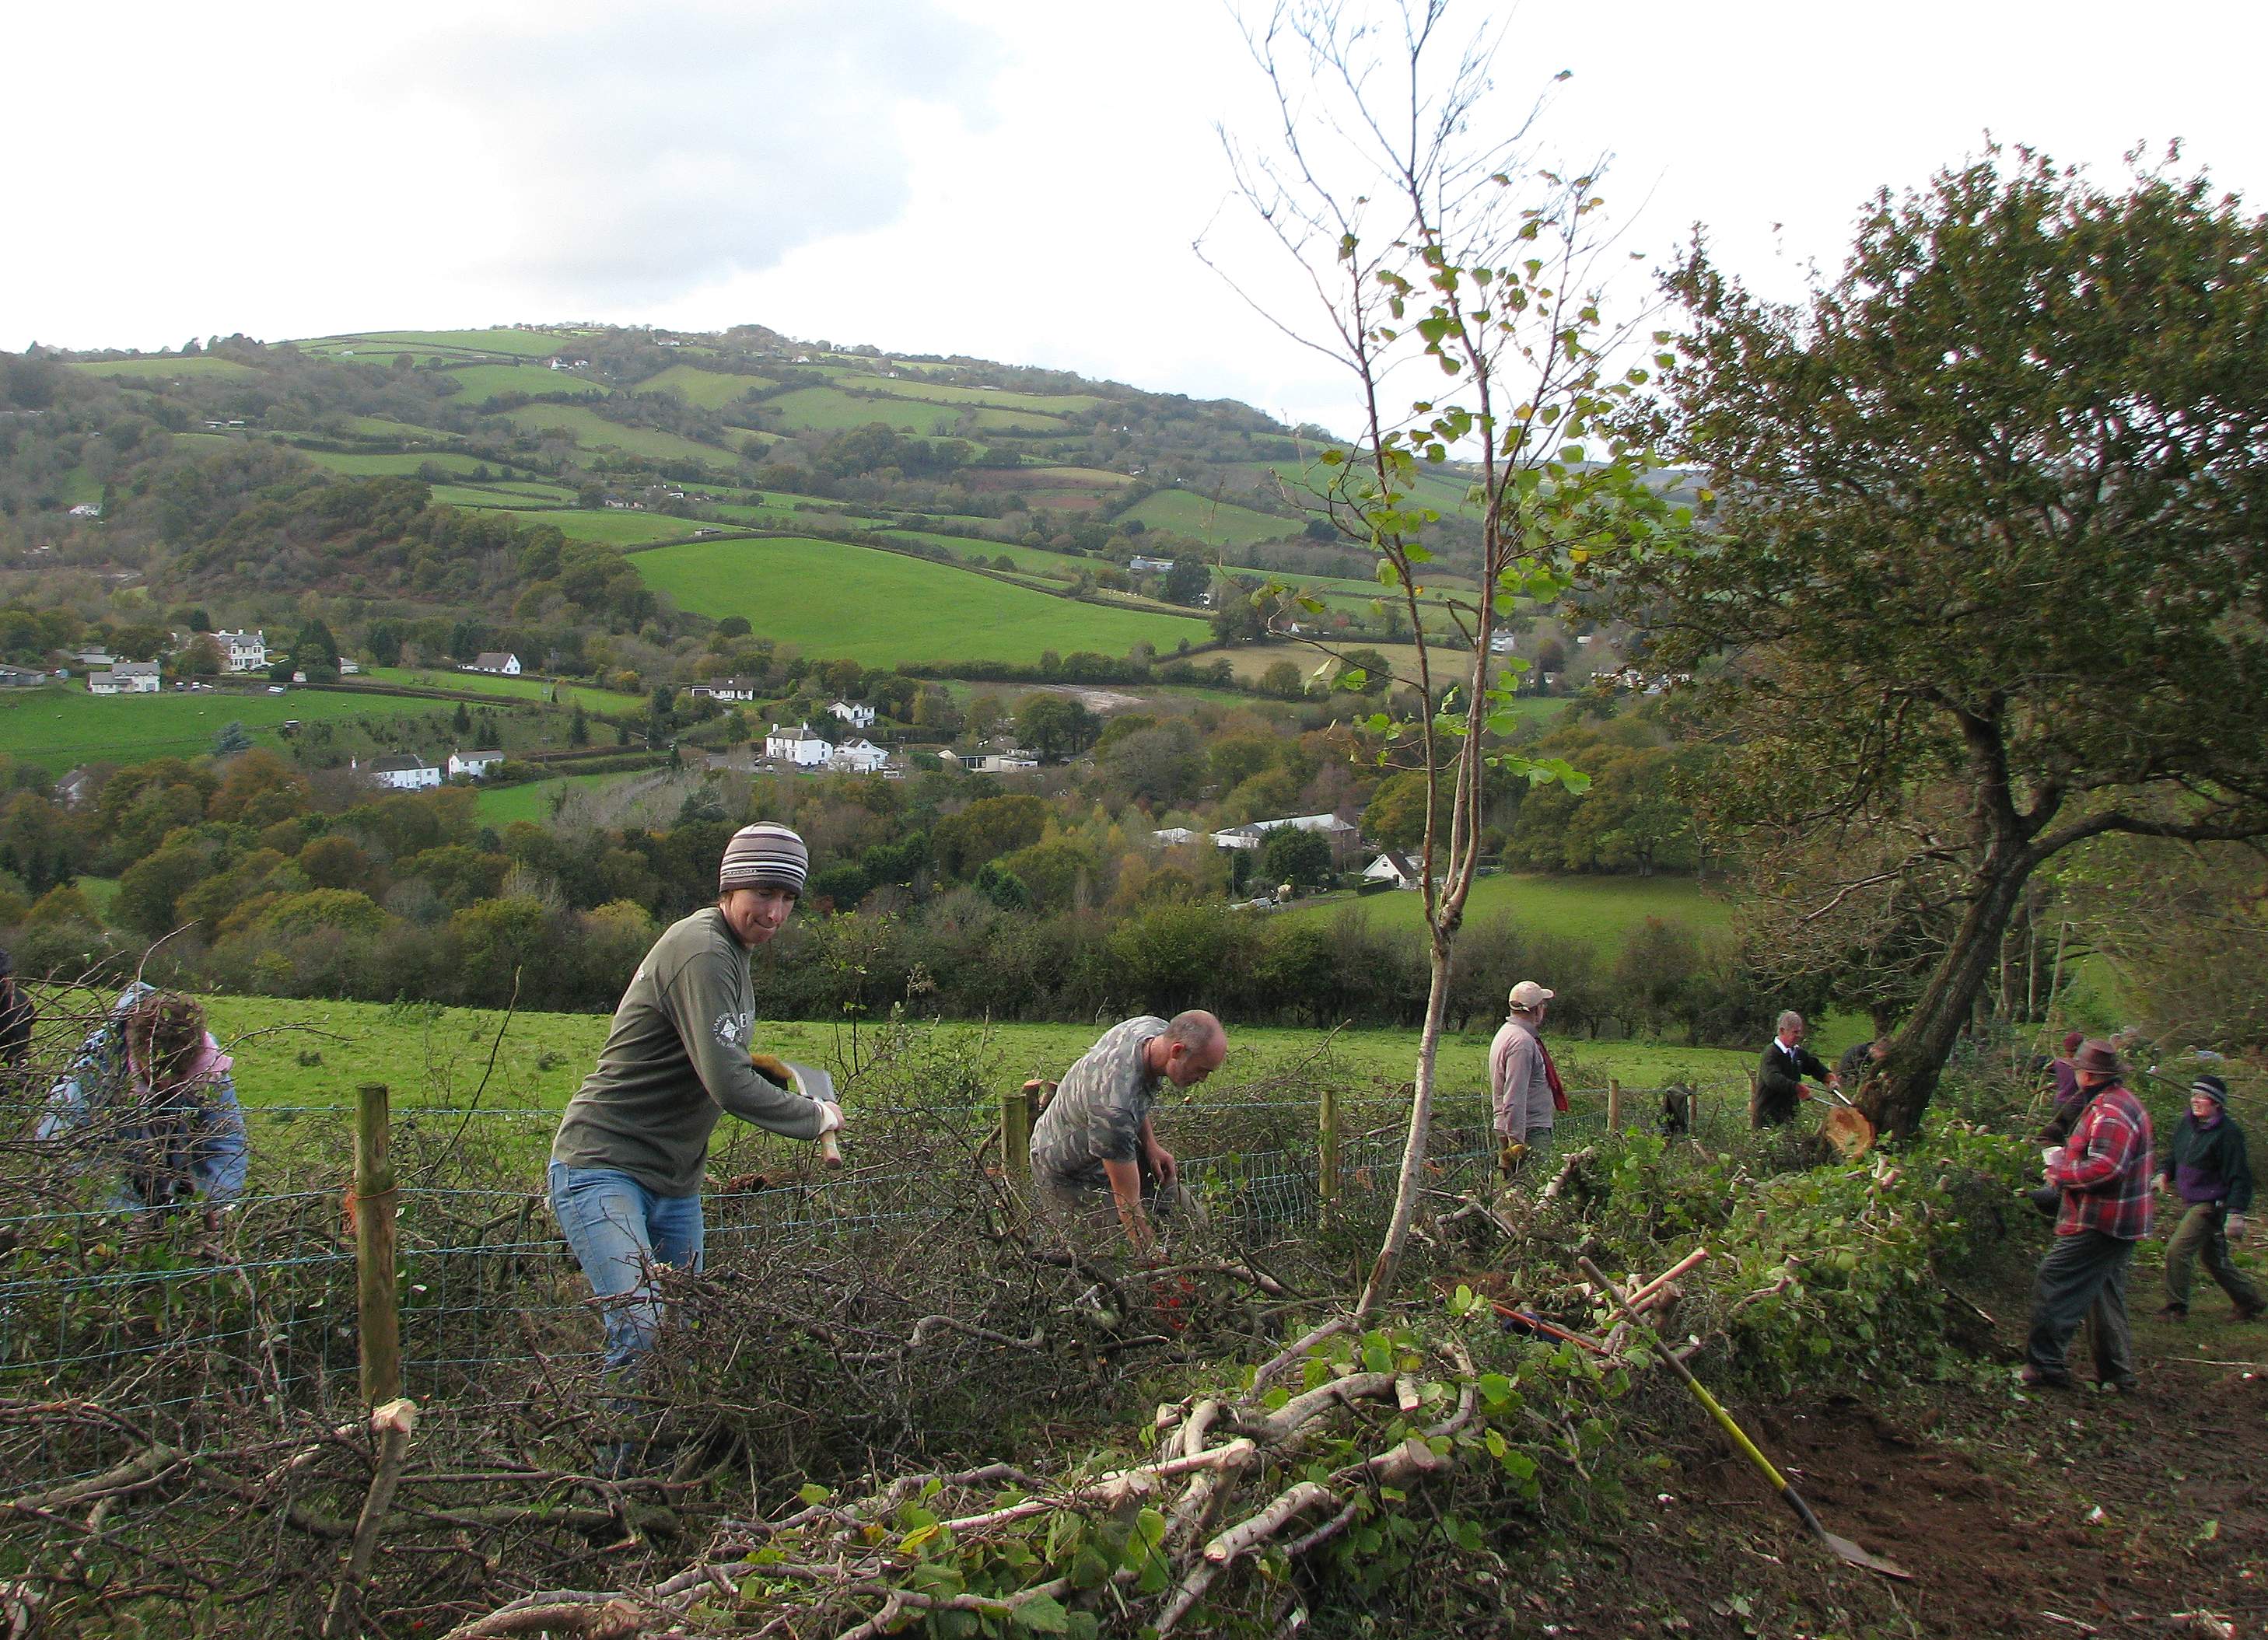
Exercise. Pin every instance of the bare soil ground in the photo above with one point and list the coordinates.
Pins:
(2020, 1513)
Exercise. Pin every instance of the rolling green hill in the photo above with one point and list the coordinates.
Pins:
(59, 726)
(879, 608)
(711, 390)
(1217, 523)
(593, 431)
(479, 384)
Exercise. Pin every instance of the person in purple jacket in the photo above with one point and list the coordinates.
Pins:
(2206, 1167)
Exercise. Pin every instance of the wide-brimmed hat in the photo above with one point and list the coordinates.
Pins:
(2098, 1059)
(1528, 995)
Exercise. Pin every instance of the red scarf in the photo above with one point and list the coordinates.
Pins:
(1552, 1077)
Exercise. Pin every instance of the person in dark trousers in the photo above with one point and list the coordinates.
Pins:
(17, 1016)
(2206, 1167)
(2103, 1171)
(1780, 1074)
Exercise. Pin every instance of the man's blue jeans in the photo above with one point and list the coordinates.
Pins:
(620, 1231)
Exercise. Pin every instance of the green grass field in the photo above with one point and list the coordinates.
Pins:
(1600, 909)
(1070, 404)
(711, 390)
(435, 1056)
(829, 409)
(509, 497)
(878, 608)
(1218, 524)
(534, 344)
(196, 367)
(57, 727)
(593, 431)
(386, 427)
(532, 690)
(366, 464)
(612, 529)
(500, 807)
(477, 383)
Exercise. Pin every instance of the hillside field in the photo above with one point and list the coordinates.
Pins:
(590, 698)
(1600, 909)
(477, 383)
(404, 464)
(60, 726)
(434, 1055)
(1216, 523)
(499, 806)
(196, 367)
(583, 524)
(711, 390)
(878, 608)
(593, 431)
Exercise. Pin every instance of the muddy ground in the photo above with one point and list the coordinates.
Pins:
(2023, 1513)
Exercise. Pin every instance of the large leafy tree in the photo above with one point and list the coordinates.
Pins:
(1988, 570)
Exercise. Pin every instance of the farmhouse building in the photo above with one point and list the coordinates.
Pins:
(796, 745)
(1394, 867)
(724, 689)
(472, 765)
(1172, 836)
(21, 677)
(1142, 565)
(87, 510)
(498, 661)
(129, 677)
(858, 757)
(1344, 837)
(857, 716)
(245, 651)
(1007, 762)
(93, 657)
(403, 771)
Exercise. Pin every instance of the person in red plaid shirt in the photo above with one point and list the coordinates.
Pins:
(2103, 1171)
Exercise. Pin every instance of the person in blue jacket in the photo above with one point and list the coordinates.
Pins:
(151, 1101)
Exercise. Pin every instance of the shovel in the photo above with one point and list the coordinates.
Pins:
(1843, 1548)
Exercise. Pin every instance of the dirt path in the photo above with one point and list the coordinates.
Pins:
(2055, 1515)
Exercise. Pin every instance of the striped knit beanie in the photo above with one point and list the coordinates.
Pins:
(763, 856)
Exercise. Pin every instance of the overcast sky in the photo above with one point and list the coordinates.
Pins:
(1015, 179)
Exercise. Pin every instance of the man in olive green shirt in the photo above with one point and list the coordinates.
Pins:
(626, 1164)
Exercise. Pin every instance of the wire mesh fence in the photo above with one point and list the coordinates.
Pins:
(261, 1296)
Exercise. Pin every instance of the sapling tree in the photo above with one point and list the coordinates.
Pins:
(1437, 247)
(1987, 578)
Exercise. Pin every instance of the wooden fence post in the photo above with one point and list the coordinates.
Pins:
(1613, 1104)
(377, 1296)
(1327, 1147)
(1016, 1133)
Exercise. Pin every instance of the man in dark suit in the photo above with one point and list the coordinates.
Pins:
(1779, 1076)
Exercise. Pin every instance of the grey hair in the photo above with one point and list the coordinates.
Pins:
(1197, 1030)
(1788, 1018)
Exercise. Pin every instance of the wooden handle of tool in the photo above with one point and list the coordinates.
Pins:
(829, 1151)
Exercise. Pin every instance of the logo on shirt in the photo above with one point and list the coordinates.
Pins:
(732, 1030)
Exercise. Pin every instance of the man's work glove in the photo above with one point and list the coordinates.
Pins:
(2232, 1226)
(1510, 1154)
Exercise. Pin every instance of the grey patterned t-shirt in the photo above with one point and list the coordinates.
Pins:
(1096, 1115)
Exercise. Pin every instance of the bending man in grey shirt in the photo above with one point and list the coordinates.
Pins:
(1096, 1129)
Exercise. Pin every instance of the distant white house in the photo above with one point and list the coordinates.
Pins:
(87, 510)
(1500, 641)
(724, 689)
(1392, 866)
(1252, 835)
(348, 668)
(1142, 565)
(129, 677)
(858, 757)
(403, 771)
(498, 661)
(855, 714)
(1006, 762)
(472, 765)
(93, 657)
(1174, 836)
(245, 651)
(796, 745)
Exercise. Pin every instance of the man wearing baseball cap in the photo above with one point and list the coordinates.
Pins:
(626, 1164)
(2207, 1168)
(1524, 1088)
(2103, 1171)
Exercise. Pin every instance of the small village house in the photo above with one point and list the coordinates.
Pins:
(798, 746)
